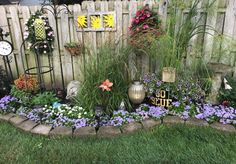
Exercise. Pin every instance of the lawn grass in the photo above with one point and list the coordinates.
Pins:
(164, 144)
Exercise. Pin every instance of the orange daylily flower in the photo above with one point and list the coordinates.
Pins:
(105, 86)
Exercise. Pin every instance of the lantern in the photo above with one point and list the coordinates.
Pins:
(39, 28)
(136, 92)
(168, 74)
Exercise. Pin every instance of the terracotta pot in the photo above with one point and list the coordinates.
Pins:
(74, 50)
(168, 74)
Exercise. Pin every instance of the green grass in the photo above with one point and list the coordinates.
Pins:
(165, 144)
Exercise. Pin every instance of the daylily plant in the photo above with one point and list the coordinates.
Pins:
(106, 85)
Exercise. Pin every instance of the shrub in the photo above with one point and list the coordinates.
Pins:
(4, 83)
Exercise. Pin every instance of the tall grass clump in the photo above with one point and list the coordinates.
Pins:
(109, 63)
(172, 47)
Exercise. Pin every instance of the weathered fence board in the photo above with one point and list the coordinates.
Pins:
(67, 67)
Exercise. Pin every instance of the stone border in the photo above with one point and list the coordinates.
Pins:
(27, 125)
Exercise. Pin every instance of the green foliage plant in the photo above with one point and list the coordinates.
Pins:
(71, 45)
(44, 98)
(24, 97)
(170, 49)
(109, 63)
(4, 83)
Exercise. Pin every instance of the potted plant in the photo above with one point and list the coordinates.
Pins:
(74, 48)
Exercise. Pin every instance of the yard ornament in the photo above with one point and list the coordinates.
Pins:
(227, 86)
(72, 89)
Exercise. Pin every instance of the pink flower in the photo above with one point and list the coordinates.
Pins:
(148, 15)
(106, 85)
(143, 17)
(145, 26)
(137, 29)
(138, 13)
(137, 20)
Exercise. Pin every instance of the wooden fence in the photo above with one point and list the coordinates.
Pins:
(12, 19)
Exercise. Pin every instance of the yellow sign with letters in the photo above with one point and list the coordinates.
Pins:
(161, 99)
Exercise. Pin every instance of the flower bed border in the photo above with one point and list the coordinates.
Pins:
(27, 125)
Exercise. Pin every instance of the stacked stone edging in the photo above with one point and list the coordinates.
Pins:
(27, 125)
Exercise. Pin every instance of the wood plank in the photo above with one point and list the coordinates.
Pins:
(65, 38)
(58, 83)
(5, 26)
(125, 23)
(162, 10)
(92, 35)
(105, 34)
(229, 24)
(28, 54)
(18, 38)
(194, 47)
(118, 33)
(209, 36)
(77, 60)
(132, 57)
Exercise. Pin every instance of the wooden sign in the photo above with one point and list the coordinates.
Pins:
(161, 99)
(97, 21)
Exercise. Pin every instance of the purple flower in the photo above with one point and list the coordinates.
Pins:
(187, 107)
(185, 115)
(176, 103)
(157, 112)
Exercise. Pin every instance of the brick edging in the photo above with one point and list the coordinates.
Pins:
(27, 125)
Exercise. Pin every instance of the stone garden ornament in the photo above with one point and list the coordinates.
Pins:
(72, 89)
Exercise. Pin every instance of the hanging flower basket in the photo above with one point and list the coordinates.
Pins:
(168, 74)
(145, 28)
(73, 48)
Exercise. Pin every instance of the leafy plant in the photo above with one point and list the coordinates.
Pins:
(74, 48)
(24, 97)
(171, 48)
(72, 45)
(45, 98)
(27, 83)
(108, 64)
(4, 83)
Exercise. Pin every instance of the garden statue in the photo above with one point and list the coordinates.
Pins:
(220, 70)
(72, 89)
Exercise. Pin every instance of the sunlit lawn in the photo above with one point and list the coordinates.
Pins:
(165, 144)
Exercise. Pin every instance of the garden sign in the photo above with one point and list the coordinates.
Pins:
(161, 98)
(97, 21)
